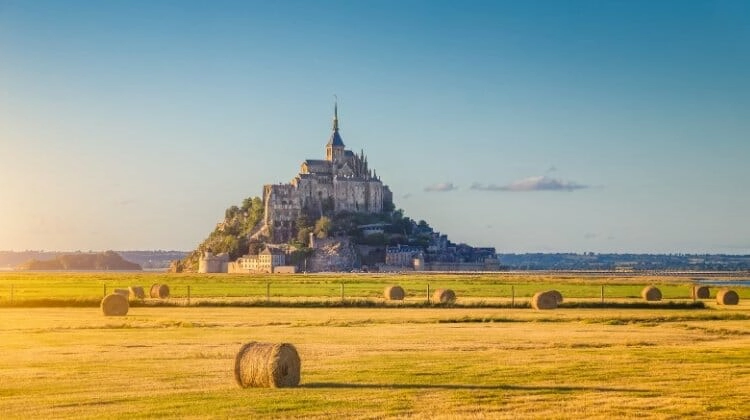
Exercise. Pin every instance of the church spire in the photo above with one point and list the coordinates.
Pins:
(335, 147)
(335, 113)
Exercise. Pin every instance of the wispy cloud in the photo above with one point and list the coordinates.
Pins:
(441, 187)
(534, 183)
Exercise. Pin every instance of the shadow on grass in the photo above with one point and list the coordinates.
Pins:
(634, 305)
(499, 387)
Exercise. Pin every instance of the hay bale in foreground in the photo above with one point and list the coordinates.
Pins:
(115, 304)
(137, 292)
(700, 292)
(267, 365)
(727, 297)
(159, 291)
(558, 296)
(124, 292)
(651, 293)
(544, 300)
(394, 293)
(444, 296)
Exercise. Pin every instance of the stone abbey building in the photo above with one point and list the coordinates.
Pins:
(343, 181)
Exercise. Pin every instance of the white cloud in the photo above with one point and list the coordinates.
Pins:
(441, 187)
(533, 183)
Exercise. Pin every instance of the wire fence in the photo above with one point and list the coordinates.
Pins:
(307, 291)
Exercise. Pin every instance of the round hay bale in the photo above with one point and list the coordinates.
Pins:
(159, 291)
(727, 297)
(544, 300)
(124, 292)
(267, 365)
(700, 292)
(651, 293)
(558, 296)
(136, 292)
(394, 293)
(444, 296)
(115, 304)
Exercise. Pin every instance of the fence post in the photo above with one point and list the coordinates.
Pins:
(188, 295)
(428, 293)
(512, 296)
(342, 291)
(11, 294)
(602, 293)
(105, 290)
(268, 292)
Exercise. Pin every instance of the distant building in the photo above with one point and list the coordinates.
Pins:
(373, 229)
(265, 262)
(402, 255)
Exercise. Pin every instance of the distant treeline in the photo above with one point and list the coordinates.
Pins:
(146, 259)
(108, 260)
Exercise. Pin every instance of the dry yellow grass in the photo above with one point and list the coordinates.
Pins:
(267, 365)
(700, 292)
(544, 300)
(727, 297)
(558, 296)
(395, 292)
(651, 293)
(115, 304)
(159, 291)
(137, 292)
(379, 363)
(124, 292)
(443, 296)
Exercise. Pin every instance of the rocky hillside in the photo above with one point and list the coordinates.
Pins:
(229, 236)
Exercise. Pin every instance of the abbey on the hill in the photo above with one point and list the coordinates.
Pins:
(341, 182)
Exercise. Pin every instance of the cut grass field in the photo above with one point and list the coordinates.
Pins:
(423, 362)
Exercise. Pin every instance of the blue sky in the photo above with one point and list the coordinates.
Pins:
(538, 126)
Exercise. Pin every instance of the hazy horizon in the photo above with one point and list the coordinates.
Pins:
(607, 127)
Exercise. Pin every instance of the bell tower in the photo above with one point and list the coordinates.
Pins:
(335, 146)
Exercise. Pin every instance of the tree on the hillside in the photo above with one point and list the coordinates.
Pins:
(256, 209)
(401, 224)
(230, 245)
(231, 212)
(247, 204)
(323, 227)
(254, 247)
(303, 221)
(303, 236)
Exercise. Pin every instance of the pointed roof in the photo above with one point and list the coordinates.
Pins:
(335, 139)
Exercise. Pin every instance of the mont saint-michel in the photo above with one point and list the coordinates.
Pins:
(342, 182)
(336, 214)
